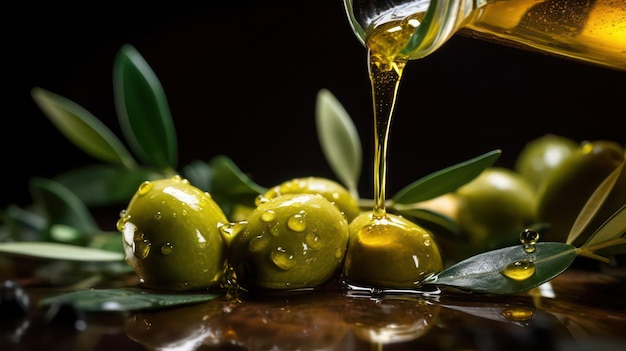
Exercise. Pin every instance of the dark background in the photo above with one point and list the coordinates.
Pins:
(242, 80)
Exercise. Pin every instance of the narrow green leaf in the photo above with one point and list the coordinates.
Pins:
(58, 251)
(62, 208)
(230, 186)
(105, 300)
(432, 219)
(105, 185)
(83, 129)
(483, 273)
(613, 228)
(22, 224)
(593, 204)
(446, 180)
(339, 140)
(611, 251)
(143, 110)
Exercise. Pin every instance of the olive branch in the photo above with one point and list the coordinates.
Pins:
(59, 225)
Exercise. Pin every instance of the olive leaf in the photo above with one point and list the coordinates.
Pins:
(339, 140)
(104, 184)
(60, 251)
(68, 219)
(229, 186)
(82, 128)
(21, 224)
(612, 228)
(593, 204)
(143, 111)
(431, 219)
(121, 300)
(445, 180)
(484, 272)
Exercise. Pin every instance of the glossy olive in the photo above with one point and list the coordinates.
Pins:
(495, 206)
(172, 237)
(568, 187)
(541, 155)
(292, 241)
(391, 252)
(331, 190)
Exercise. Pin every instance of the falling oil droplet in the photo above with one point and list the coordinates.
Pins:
(529, 238)
(297, 222)
(283, 259)
(519, 270)
(517, 314)
(142, 248)
(167, 248)
(157, 216)
(144, 188)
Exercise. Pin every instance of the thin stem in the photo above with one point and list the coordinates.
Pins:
(589, 251)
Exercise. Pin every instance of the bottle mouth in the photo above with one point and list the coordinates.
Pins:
(440, 21)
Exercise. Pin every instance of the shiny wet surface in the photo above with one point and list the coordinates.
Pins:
(579, 310)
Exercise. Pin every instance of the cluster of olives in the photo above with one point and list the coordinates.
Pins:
(305, 231)
(552, 179)
(177, 237)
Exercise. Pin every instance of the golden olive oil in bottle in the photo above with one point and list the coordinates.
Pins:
(592, 31)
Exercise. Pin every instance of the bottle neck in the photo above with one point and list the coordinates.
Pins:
(440, 20)
(589, 31)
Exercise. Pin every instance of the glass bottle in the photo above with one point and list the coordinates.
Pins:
(592, 31)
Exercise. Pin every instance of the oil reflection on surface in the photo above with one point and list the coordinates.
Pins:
(339, 321)
(311, 321)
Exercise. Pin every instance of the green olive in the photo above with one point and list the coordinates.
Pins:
(568, 187)
(541, 155)
(331, 190)
(292, 241)
(391, 252)
(494, 207)
(172, 237)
